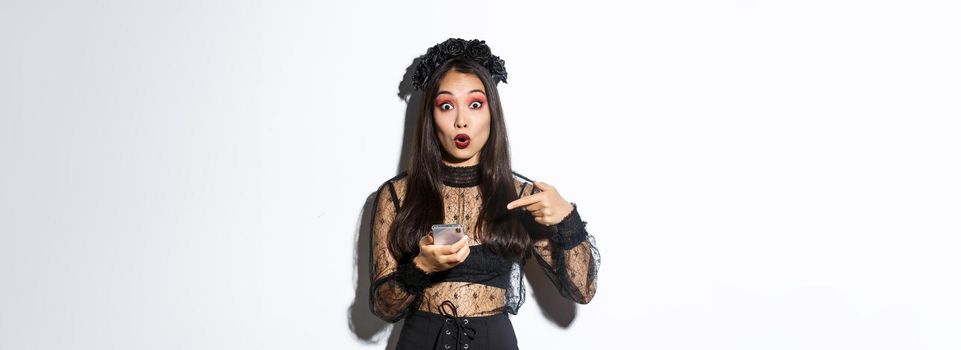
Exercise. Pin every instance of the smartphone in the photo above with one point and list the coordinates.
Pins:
(445, 234)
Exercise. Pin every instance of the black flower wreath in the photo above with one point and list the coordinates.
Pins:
(475, 50)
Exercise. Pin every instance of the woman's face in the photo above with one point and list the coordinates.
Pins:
(461, 118)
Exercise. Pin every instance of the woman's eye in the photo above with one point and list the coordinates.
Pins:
(443, 106)
(478, 104)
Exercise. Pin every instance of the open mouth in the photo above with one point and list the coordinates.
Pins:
(462, 141)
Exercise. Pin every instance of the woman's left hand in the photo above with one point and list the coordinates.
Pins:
(547, 206)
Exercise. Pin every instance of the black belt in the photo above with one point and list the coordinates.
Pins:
(460, 327)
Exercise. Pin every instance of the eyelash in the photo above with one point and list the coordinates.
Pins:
(447, 103)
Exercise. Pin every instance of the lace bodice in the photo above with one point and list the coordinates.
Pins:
(485, 283)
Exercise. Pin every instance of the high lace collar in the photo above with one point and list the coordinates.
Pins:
(461, 176)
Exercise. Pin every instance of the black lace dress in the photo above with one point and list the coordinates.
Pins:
(466, 306)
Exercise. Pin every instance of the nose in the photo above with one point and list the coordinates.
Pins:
(461, 120)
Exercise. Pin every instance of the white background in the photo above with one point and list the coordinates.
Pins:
(757, 174)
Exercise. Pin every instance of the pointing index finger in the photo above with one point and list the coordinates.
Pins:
(524, 201)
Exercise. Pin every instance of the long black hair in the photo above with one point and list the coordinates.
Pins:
(423, 203)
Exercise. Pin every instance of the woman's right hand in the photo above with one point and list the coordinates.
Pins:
(433, 258)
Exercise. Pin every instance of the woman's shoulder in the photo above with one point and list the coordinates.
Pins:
(400, 179)
(395, 186)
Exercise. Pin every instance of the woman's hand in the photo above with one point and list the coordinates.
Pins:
(547, 206)
(433, 258)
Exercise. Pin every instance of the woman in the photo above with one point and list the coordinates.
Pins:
(457, 296)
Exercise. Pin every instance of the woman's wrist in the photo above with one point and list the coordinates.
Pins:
(419, 263)
(570, 232)
(412, 278)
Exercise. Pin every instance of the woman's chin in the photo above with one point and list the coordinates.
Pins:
(460, 157)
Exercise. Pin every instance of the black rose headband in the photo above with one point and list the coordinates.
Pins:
(475, 50)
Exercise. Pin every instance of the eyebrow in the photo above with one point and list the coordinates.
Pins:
(470, 92)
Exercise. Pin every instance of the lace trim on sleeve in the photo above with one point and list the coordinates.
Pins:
(570, 232)
(412, 278)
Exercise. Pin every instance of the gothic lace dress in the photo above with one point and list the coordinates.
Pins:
(484, 284)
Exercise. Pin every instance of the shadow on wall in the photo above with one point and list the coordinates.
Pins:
(360, 319)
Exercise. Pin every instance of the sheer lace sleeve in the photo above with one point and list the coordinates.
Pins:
(566, 252)
(395, 286)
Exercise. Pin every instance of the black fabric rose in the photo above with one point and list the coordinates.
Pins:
(434, 57)
(478, 51)
(496, 66)
(453, 47)
(419, 80)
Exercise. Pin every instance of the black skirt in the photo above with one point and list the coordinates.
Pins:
(425, 330)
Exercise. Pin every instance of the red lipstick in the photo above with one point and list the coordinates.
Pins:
(461, 141)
